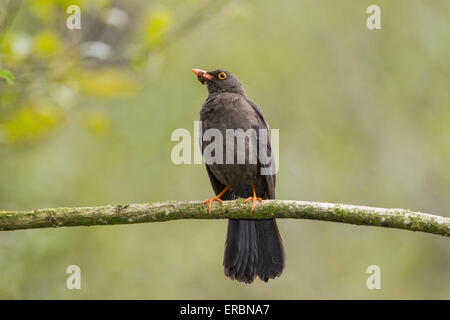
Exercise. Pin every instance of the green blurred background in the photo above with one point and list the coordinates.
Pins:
(364, 118)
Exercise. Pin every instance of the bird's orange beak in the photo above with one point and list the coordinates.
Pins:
(202, 74)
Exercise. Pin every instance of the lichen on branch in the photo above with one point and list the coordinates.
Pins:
(236, 209)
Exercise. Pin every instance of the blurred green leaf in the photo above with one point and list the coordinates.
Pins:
(7, 75)
(30, 123)
(97, 124)
(157, 26)
(106, 83)
(47, 43)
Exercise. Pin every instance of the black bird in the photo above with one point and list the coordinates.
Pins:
(253, 247)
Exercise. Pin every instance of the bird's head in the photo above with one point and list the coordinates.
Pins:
(219, 81)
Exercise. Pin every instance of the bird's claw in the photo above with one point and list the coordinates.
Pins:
(210, 202)
(253, 199)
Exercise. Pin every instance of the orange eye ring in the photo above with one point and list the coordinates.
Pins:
(222, 75)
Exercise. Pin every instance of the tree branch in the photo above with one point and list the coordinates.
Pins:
(173, 210)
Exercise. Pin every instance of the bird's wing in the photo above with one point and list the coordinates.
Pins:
(215, 183)
(270, 180)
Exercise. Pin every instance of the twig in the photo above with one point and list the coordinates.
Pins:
(173, 210)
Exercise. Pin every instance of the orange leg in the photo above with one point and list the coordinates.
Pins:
(253, 199)
(216, 198)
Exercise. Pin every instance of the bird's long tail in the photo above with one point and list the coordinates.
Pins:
(253, 248)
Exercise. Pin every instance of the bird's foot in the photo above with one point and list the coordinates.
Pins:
(253, 199)
(211, 201)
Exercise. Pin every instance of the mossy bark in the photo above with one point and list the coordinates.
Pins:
(173, 210)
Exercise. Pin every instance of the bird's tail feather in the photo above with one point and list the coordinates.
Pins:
(253, 248)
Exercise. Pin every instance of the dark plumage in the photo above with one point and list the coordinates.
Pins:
(253, 247)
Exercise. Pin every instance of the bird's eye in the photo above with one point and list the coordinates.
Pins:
(222, 75)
